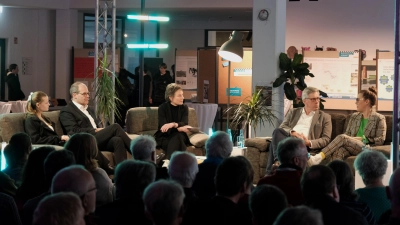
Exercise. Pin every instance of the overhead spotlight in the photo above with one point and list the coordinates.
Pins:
(125, 35)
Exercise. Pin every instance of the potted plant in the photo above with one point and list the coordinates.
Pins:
(293, 73)
(107, 101)
(252, 111)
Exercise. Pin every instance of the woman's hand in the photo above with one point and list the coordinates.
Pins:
(65, 137)
(184, 128)
(167, 126)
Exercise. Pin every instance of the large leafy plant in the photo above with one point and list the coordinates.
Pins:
(252, 111)
(293, 73)
(107, 101)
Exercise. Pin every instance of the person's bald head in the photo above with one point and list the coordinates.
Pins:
(183, 168)
(78, 180)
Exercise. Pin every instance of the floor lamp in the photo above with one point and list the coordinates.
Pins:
(232, 51)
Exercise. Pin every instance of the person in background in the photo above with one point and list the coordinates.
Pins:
(61, 208)
(345, 183)
(173, 119)
(124, 91)
(16, 154)
(14, 87)
(39, 127)
(147, 87)
(372, 165)
(300, 215)
(173, 73)
(393, 193)
(365, 127)
(8, 211)
(160, 83)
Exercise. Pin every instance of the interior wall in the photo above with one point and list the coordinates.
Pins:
(345, 25)
(34, 30)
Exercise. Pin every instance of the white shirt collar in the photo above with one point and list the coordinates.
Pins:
(81, 107)
(304, 112)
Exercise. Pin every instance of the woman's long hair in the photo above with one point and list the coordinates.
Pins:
(84, 147)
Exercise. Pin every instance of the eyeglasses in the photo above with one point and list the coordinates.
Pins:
(314, 99)
(359, 99)
(85, 93)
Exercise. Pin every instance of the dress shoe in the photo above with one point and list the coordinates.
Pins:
(314, 160)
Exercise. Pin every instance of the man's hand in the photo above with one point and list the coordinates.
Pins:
(167, 126)
(296, 135)
(306, 141)
(98, 129)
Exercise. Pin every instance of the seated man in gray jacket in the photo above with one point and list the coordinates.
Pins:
(307, 123)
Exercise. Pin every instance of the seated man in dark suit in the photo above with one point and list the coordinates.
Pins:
(307, 123)
(293, 156)
(320, 192)
(77, 117)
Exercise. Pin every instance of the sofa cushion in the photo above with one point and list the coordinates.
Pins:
(338, 124)
(142, 119)
(198, 140)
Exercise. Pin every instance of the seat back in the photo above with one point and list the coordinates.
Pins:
(144, 120)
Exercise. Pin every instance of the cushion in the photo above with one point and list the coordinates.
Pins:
(338, 124)
(260, 143)
(198, 139)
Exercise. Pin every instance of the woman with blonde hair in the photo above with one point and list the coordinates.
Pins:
(364, 127)
(39, 127)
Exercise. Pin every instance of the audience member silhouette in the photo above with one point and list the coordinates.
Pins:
(266, 202)
(292, 155)
(84, 147)
(318, 184)
(218, 147)
(163, 202)
(345, 183)
(299, 215)
(16, 154)
(60, 208)
(372, 165)
(131, 179)
(143, 148)
(53, 163)
(8, 211)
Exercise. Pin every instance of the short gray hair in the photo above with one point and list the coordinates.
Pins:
(288, 148)
(75, 87)
(72, 179)
(142, 147)
(170, 91)
(60, 208)
(183, 168)
(163, 201)
(371, 165)
(132, 177)
(219, 145)
(300, 215)
(307, 91)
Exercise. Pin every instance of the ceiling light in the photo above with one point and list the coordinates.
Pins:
(147, 45)
(1, 9)
(151, 18)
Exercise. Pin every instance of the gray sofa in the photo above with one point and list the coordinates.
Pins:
(257, 148)
(12, 123)
(144, 120)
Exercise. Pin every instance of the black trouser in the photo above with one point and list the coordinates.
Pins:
(174, 142)
(113, 139)
(278, 135)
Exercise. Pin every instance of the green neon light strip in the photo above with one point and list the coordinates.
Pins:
(152, 18)
(147, 45)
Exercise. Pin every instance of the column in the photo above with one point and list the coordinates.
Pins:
(268, 43)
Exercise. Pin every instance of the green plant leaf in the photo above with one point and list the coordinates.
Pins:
(301, 66)
(296, 60)
(323, 94)
(284, 62)
(279, 81)
(289, 91)
(310, 74)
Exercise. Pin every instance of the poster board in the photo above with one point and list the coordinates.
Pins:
(385, 80)
(336, 73)
(186, 71)
(207, 72)
(240, 79)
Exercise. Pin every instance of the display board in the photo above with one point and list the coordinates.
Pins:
(336, 73)
(186, 71)
(385, 72)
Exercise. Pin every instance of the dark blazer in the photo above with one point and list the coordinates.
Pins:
(164, 116)
(39, 132)
(14, 87)
(320, 129)
(73, 120)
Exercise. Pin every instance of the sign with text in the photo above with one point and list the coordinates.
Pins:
(234, 92)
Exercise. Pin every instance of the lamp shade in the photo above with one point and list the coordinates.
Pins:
(232, 50)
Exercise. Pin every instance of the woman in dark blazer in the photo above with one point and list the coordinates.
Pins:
(40, 128)
(173, 122)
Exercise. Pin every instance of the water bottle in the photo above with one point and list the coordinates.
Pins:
(240, 140)
(230, 134)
